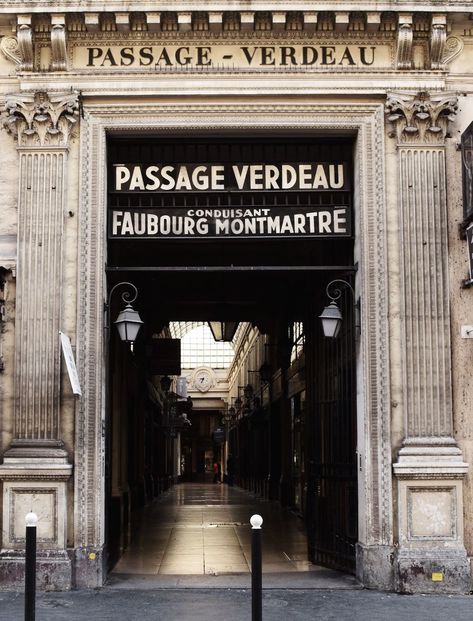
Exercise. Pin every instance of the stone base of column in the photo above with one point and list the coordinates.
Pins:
(433, 571)
(375, 566)
(53, 570)
(90, 568)
(35, 479)
(431, 557)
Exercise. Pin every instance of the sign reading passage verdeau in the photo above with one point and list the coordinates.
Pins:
(270, 57)
(291, 177)
(295, 219)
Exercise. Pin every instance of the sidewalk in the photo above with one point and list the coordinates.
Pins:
(223, 604)
(189, 561)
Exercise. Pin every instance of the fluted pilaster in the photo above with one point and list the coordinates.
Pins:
(38, 295)
(42, 126)
(35, 468)
(421, 125)
(427, 371)
(429, 467)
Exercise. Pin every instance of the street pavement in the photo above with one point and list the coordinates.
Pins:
(234, 604)
(189, 559)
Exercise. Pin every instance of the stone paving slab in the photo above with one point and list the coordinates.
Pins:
(318, 578)
(109, 604)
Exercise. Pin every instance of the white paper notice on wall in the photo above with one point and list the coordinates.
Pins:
(70, 363)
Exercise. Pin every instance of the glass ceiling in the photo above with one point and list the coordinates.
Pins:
(198, 347)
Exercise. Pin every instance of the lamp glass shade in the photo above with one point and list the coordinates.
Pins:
(223, 330)
(128, 324)
(331, 318)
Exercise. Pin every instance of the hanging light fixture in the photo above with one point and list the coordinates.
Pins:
(331, 318)
(223, 330)
(128, 321)
(128, 324)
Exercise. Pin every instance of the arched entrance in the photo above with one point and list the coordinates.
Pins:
(365, 126)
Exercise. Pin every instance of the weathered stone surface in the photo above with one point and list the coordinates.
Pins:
(433, 572)
(375, 566)
(53, 571)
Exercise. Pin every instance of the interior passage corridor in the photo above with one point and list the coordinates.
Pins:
(204, 529)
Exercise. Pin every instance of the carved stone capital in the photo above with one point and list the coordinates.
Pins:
(41, 119)
(421, 119)
(11, 50)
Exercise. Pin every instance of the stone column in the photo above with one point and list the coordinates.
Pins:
(429, 468)
(36, 469)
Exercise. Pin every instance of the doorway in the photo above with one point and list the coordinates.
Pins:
(285, 444)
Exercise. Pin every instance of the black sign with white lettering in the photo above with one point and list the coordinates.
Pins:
(292, 177)
(333, 221)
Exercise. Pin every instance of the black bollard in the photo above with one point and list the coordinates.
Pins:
(30, 567)
(256, 573)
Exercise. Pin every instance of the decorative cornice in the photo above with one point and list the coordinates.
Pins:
(51, 29)
(29, 476)
(258, 5)
(41, 119)
(421, 119)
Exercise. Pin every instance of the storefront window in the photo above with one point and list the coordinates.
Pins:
(467, 173)
(298, 340)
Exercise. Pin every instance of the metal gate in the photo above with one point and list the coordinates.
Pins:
(332, 494)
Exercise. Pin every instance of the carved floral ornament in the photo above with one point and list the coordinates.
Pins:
(423, 118)
(40, 119)
(10, 48)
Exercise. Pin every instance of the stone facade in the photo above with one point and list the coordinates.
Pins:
(398, 80)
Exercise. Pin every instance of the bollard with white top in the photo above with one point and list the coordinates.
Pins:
(256, 574)
(30, 566)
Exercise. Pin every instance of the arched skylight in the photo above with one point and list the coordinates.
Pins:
(198, 348)
(179, 329)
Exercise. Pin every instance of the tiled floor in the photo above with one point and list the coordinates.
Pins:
(204, 529)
